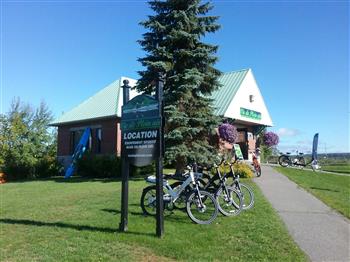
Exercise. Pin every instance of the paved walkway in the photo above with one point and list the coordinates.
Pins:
(322, 233)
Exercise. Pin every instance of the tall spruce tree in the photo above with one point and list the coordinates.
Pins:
(174, 48)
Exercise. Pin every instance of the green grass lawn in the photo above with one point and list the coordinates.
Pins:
(56, 220)
(333, 190)
(337, 168)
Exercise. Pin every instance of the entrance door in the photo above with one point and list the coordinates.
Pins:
(243, 141)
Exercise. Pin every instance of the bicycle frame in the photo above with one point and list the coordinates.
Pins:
(176, 194)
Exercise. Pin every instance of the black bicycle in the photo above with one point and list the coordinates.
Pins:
(245, 191)
(230, 202)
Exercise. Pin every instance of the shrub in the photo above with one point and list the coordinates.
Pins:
(107, 166)
(46, 166)
(99, 166)
(243, 170)
(143, 171)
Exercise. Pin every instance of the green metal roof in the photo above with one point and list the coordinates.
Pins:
(230, 83)
(105, 102)
(102, 104)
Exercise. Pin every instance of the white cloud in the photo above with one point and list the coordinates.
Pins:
(290, 132)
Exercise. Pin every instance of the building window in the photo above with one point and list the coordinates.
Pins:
(251, 98)
(75, 138)
(98, 140)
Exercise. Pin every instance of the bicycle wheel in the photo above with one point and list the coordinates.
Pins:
(247, 195)
(284, 161)
(148, 201)
(201, 207)
(229, 202)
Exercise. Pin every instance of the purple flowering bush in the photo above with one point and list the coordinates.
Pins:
(271, 139)
(228, 132)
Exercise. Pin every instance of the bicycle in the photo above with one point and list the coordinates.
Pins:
(287, 159)
(245, 191)
(298, 160)
(229, 200)
(201, 206)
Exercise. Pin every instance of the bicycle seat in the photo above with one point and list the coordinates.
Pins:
(288, 153)
(151, 179)
(300, 154)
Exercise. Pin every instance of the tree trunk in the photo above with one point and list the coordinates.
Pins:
(180, 165)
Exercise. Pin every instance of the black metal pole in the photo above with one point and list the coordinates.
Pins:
(159, 162)
(123, 226)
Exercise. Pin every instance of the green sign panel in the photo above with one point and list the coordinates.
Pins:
(140, 106)
(250, 114)
(140, 126)
(238, 151)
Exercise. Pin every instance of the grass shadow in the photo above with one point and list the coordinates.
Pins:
(324, 189)
(28, 222)
(169, 215)
(77, 179)
(116, 212)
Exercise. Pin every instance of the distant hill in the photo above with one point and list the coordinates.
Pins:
(335, 155)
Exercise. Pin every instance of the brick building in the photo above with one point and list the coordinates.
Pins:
(239, 99)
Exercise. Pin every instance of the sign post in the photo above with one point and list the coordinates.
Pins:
(142, 143)
(123, 226)
(159, 161)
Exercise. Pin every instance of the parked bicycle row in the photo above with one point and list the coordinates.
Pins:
(200, 194)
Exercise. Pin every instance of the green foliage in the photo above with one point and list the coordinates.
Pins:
(27, 145)
(174, 48)
(265, 153)
(243, 170)
(107, 166)
(99, 166)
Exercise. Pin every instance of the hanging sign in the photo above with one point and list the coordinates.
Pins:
(140, 126)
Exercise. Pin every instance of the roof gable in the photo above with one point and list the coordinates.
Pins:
(102, 104)
(230, 83)
(108, 101)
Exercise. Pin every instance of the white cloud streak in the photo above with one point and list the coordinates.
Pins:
(288, 132)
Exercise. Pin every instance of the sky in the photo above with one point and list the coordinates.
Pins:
(63, 52)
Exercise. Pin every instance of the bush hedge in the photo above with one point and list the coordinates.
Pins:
(107, 166)
(243, 170)
(45, 167)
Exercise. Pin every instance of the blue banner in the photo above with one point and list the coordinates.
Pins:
(314, 147)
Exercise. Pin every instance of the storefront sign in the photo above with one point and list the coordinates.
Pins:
(140, 130)
(250, 114)
(238, 151)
